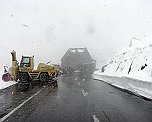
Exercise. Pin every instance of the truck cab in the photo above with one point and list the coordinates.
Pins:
(27, 63)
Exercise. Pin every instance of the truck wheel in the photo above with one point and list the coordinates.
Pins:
(44, 77)
(23, 76)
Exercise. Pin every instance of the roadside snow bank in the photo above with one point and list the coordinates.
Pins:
(138, 87)
(130, 68)
(134, 61)
(3, 84)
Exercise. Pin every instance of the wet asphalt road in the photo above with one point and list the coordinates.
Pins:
(76, 99)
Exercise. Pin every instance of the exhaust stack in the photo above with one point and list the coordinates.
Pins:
(14, 66)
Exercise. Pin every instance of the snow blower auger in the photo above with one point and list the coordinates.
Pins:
(6, 76)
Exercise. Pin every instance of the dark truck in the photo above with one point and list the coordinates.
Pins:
(78, 60)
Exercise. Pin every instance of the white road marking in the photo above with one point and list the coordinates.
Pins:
(79, 83)
(95, 118)
(84, 93)
(76, 78)
(15, 109)
(83, 79)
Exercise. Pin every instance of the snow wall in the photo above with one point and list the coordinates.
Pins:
(130, 68)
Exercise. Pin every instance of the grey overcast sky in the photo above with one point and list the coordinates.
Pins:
(47, 28)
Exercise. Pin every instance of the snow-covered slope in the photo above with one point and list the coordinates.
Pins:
(134, 61)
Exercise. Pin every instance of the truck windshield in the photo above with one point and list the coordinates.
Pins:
(25, 60)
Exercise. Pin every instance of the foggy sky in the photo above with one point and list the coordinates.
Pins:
(47, 28)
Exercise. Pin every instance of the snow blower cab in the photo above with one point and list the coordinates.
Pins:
(27, 63)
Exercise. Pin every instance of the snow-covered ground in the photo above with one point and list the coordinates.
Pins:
(132, 65)
(134, 61)
(5, 84)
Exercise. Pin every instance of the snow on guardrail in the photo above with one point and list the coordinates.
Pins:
(138, 87)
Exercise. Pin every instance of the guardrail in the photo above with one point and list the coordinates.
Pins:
(139, 87)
